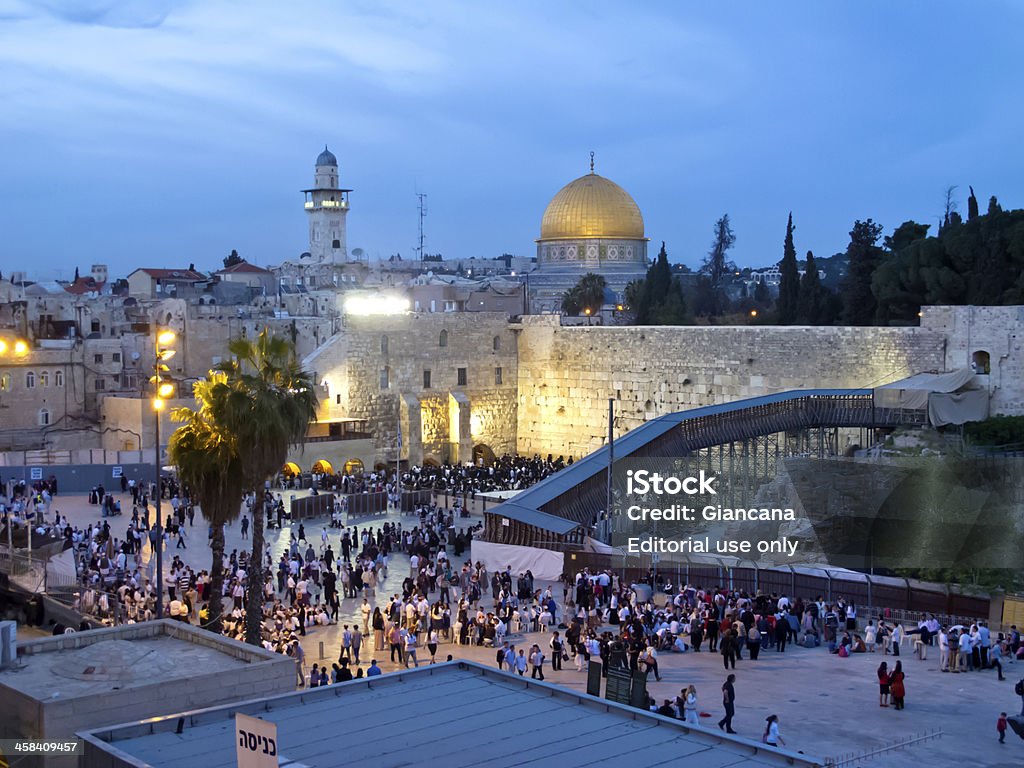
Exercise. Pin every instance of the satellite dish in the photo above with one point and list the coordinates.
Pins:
(136, 355)
(357, 252)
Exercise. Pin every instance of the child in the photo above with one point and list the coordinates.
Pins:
(1001, 727)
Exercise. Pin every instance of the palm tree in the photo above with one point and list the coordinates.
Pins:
(208, 462)
(271, 403)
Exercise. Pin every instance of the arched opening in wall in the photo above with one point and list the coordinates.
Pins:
(442, 340)
(482, 455)
(290, 470)
(353, 467)
(323, 467)
(384, 344)
(649, 410)
(336, 244)
(430, 461)
(380, 466)
(496, 344)
(980, 361)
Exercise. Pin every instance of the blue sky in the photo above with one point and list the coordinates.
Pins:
(158, 132)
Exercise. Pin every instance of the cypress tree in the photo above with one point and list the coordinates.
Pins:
(809, 305)
(789, 279)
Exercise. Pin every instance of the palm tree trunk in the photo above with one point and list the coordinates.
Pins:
(254, 592)
(216, 601)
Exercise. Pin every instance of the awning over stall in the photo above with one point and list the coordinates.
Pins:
(913, 391)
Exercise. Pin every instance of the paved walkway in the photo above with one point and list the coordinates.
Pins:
(827, 706)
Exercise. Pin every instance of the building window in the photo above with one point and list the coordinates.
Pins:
(94, 326)
(44, 417)
(462, 377)
(426, 378)
(58, 378)
(97, 358)
(980, 362)
(44, 378)
(497, 375)
(385, 377)
(30, 380)
(100, 384)
(442, 340)
(449, 306)
(311, 280)
(116, 357)
(5, 383)
(496, 343)
(337, 399)
(384, 344)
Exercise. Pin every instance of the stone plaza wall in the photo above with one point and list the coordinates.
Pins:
(567, 374)
(374, 369)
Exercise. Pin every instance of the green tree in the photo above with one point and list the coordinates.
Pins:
(588, 293)
(972, 205)
(811, 299)
(789, 279)
(658, 298)
(232, 258)
(864, 257)
(209, 464)
(271, 403)
(717, 265)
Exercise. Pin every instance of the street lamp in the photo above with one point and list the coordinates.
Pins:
(163, 388)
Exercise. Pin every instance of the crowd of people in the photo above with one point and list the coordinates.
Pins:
(509, 472)
(406, 618)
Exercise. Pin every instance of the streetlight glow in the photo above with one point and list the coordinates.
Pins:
(20, 347)
(166, 337)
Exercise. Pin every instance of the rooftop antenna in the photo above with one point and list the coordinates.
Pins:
(591, 161)
(423, 214)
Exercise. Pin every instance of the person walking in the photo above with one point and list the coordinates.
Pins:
(536, 663)
(432, 640)
(729, 702)
(410, 649)
(556, 652)
(771, 735)
(728, 646)
(357, 643)
(883, 684)
(1001, 727)
(896, 685)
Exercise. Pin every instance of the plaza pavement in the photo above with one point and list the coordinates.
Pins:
(827, 706)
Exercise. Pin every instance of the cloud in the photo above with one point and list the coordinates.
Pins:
(122, 14)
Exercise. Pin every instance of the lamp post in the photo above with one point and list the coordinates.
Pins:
(163, 388)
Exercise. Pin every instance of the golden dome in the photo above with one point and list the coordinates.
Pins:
(592, 206)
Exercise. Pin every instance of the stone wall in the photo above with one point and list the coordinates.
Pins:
(980, 334)
(377, 362)
(567, 375)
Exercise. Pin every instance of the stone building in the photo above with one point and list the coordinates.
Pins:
(591, 225)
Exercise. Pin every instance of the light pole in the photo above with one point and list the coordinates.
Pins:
(162, 389)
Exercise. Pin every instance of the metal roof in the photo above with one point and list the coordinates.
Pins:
(553, 486)
(534, 517)
(431, 715)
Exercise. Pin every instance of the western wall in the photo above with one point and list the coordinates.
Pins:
(567, 374)
(555, 380)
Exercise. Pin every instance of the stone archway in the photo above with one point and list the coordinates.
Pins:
(483, 455)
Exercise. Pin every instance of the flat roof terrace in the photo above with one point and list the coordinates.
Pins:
(433, 713)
